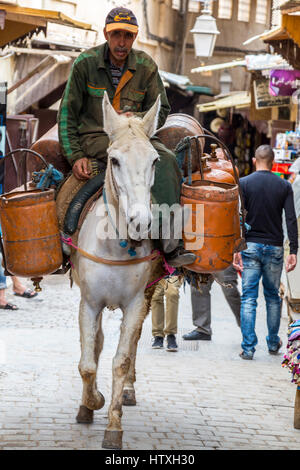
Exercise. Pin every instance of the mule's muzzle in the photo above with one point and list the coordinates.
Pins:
(139, 223)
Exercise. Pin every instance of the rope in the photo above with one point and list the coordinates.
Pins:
(97, 259)
(47, 177)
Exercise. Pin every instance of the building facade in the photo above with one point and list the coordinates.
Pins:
(164, 33)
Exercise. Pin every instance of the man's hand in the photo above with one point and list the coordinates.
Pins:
(81, 169)
(290, 263)
(238, 262)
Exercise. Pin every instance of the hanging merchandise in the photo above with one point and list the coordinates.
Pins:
(292, 356)
(216, 124)
(287, 150)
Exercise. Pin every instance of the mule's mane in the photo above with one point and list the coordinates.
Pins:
(131, 127)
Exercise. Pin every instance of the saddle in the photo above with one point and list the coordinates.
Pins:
(74, 200)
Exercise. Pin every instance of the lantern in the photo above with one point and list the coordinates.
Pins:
(205, 32)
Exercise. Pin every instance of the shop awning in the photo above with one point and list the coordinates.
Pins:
(289, 29)
(224, 65)
(290, 6)
(183, 82)
(239, 100)
(201, 90)
(16, 22)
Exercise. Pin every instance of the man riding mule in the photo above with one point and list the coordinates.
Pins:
(132, 82)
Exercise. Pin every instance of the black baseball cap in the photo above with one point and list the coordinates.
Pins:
(121, 18)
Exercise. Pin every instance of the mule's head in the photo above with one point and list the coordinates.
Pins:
(131, 164)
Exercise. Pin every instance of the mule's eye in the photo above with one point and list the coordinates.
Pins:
(154, 162)
(115, 162)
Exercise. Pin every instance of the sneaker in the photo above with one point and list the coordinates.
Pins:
(275, 351)
(246, 356)
(171, 343)
(196, 335)
(158, 342)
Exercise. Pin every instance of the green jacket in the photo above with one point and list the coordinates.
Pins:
(80, 118)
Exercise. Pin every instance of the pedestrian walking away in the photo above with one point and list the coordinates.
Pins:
(265, 197)
(201, 303)
(165, 318)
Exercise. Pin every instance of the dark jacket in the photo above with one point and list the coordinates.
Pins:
(266, 196)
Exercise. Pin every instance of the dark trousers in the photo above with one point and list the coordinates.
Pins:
(201, 301)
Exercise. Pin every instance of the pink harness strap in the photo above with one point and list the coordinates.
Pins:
(168, 272)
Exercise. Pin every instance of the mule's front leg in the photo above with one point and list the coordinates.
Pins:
(129, 391)
(130, 328)
(128, 398)
(91, 339)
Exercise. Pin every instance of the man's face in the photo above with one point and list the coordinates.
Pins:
(120, 44)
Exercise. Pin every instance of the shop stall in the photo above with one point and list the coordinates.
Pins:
(286, 150)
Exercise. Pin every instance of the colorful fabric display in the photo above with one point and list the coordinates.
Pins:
(292, 356)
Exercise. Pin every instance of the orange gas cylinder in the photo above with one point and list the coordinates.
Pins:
(213, 227)
(213, 174)
(31, 238)
(218, 176)
(218, 161)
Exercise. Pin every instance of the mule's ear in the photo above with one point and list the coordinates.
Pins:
(150, 120)
(110, 117)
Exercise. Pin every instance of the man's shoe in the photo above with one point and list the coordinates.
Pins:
(246, 356)
(158, 342)
(196, 336)
(180, 257)
(275, 351)
(171, 343)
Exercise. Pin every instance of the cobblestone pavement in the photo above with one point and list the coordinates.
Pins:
(202, 397)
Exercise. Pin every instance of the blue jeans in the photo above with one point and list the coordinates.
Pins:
(264, 261)
(2, 277)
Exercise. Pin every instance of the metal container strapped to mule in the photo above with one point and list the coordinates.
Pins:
(177, 127)
(213, 230)
(219, 161)
(213, 226)
(30, 234)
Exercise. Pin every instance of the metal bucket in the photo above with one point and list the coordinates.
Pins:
(31, 237)
(213, 227)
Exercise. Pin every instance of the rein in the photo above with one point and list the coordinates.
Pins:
(155, 254)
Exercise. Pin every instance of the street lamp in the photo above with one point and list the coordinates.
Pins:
(225, 82)
(205, 32)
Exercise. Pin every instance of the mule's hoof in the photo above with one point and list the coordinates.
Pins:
(85, 415)
(129, 397)
(112, 440)
(95, 402)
